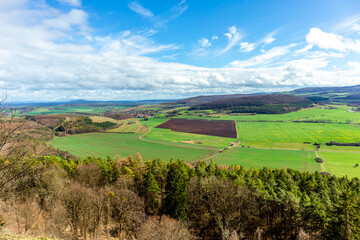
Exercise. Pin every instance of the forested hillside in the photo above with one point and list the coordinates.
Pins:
(124, 198)
(266, 104)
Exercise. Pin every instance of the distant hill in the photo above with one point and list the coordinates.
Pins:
(192, 101)
(269, 103)
(346, 89)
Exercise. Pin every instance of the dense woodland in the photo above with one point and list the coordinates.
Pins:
(127, 197)
(262, 104)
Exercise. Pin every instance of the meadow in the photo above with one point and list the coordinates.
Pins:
(124, 145)
(341, 163)
(171, 136)
(338, 114)
(293, 135)
(258, 158)
(129, 126)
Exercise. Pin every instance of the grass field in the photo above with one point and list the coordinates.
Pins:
(292, 135)
(251, 157)
(340, 114)
(129, 125)
(112, 144)
(341, 163)
(273, 144)
(153, 122)
(171, 136)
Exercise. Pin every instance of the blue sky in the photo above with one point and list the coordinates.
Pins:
(113, 50)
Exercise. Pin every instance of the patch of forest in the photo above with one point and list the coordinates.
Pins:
(82, 125)
(263, 104)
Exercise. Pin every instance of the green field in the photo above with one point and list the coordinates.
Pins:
(153, 122)
(340, 114)
(341, 163)
(112, 144)
(292, 135)
(172, 136)
(251, 157)
(276, 142)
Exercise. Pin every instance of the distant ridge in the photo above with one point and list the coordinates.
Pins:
(347, 89)
(192, 101)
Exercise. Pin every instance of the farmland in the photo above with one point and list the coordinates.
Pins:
(292, 135)
(129, 126)
(205, 127)
(251, 157)
(272, 140)
(113, 144)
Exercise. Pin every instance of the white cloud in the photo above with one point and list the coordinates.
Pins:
(268, 39)
(348, 25)
(214, 38)
(305, 49)
(75, 3)
(263, 58)
(331, 41)
(354, 65)
(204, 42)
(67, 21)
(233, 39)
(247, 47)
(139, 9)
(42, 61)
(356, 27)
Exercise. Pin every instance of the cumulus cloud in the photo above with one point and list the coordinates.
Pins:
(75, 3)
(334, 41)
(41, 61)
(247, 47)
(139, 9)
(69, 20)
(204, 42)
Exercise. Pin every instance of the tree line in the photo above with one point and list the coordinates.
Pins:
(127, 197)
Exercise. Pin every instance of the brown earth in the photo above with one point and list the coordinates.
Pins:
(205, 127)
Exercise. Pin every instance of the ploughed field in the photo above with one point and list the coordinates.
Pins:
(205, 127)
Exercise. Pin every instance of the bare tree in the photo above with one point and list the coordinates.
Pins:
(15, 151)
(165, 228)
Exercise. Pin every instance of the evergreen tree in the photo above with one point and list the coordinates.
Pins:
(345, 223)
(152, 193)
(176, 188)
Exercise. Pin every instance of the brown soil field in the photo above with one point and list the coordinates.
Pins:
(205, 127)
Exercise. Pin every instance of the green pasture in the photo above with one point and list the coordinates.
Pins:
(153, 122)
(292, 135)
(340, 114)
(258, 158)
(172, 136)
(341, 163)
(112, 144)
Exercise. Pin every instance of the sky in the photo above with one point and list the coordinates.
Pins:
(56, 50)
